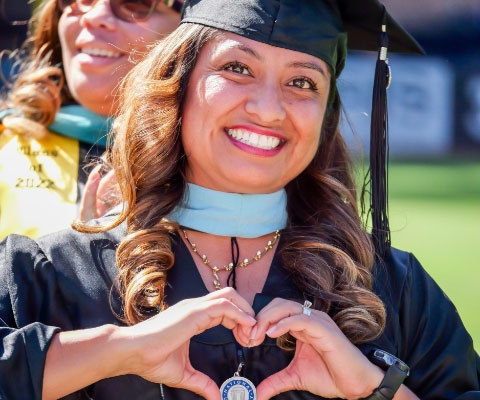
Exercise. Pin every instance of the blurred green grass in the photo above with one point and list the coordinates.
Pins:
(435, 214)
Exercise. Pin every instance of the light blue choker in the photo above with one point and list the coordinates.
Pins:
(76, 122)
(82, 124)
(231, 214)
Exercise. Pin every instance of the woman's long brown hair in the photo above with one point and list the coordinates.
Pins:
(39, 88)
(324, 246)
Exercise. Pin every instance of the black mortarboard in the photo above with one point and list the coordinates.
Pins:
(324, 29)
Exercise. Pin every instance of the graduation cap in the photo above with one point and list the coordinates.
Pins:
(325, 29)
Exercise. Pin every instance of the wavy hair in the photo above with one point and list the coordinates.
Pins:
(39, 88)
(324, 244)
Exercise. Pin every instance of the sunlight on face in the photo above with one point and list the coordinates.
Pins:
(252, 115)
(96, 47)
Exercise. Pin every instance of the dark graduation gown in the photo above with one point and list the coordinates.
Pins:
(63, 281)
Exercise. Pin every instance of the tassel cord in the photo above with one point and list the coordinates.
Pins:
(232, 276)
(379, 150)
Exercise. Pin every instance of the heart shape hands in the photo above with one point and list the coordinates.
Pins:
(325, 362)
(158, 349)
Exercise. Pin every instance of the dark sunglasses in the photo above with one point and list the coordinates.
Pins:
(126, 10)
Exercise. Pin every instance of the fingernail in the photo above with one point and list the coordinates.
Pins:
(271, 330)
(252, 319)
(254, 332)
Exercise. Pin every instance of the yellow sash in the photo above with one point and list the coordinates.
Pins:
(38, 184)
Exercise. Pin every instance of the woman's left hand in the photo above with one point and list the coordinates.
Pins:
(325, 363)
(100, 195)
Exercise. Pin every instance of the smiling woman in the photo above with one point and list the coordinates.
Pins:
(236, 265)
(269, 103)
(59, 103)
(98, 48)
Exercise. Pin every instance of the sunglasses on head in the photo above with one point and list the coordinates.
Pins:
(126, 10)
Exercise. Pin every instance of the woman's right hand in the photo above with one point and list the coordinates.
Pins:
(158, 348)
(100, 195)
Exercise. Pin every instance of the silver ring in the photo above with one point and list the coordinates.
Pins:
(306, 308)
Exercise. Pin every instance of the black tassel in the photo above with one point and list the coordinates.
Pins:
(235, 256)
(379, 150)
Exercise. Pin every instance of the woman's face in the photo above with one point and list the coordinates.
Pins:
(252, 115)
(96, 47)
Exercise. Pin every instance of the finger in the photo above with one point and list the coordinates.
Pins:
(201, 384)
(242, 335)
(275, 311)
(235, 297)
(89, 197)
(108, 195)
(242, 332)
(275, 384)
(294, 325)
(219, 311)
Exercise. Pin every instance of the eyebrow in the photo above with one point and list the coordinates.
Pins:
(295, 64)
(308, 65)
(248, 50)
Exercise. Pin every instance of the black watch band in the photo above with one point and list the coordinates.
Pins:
(396, 373)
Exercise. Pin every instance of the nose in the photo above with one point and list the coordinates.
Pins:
(266, 103)
(99, 15)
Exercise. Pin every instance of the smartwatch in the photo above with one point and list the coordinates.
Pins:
(396, 373)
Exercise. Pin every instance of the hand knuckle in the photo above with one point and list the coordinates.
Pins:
(277, 300)
(222, 302)
(229, 290)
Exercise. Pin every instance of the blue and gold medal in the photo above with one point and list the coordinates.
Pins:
(238, 387)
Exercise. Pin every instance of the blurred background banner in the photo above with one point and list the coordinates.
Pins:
(434, 100)
(467, 117)
(434, 128)
(451, 30)
(434, 120)
(421, 103)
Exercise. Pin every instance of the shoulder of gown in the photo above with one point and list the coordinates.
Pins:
(424, 330)
(60, 281)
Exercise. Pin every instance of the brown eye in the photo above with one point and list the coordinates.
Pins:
(302, 83)
(63, 4)
(237, 68)
(133, 10)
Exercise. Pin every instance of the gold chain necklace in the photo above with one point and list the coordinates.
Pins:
(228, 267)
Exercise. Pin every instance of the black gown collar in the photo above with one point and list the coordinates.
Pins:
(184, 281)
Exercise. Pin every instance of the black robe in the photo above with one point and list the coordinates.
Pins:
(63, 281)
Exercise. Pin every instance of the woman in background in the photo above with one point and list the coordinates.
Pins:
(233, 172)
(54, 117)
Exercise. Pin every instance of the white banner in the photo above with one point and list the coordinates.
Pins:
(420, 103)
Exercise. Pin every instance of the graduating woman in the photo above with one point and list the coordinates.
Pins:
(50, 130)
(237, 258)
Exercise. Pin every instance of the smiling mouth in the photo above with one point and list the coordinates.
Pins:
(253, 139)
(92, 51)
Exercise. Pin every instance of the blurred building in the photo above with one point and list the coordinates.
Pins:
(434, 101)
(14, 15)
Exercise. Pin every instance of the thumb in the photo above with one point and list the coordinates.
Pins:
(108, 195)
(201, 384)
(89, 197)
(277, 383)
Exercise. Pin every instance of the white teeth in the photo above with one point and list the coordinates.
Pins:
(263, 141)
(100, 52)
(254, 139)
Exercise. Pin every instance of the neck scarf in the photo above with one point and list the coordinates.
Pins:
(77, 122)
(231, 214)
